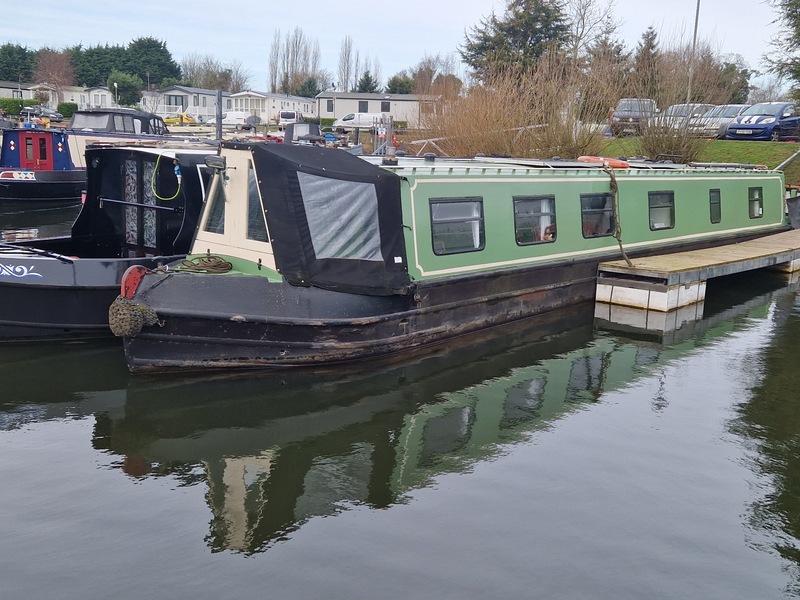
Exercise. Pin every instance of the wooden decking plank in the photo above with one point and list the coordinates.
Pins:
(712, 262)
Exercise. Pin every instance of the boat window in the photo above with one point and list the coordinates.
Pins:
(597, 215)
(42, 149)
(662, 210)
(457, 225)
(29, 148)
(256, 226)
(342, 217)
(215, 222)
(715, 205)
(534, 219)
(756, 198)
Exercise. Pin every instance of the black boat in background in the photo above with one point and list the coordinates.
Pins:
(142, 206)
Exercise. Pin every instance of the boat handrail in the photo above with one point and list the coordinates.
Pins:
(5, 247)
(101, 200)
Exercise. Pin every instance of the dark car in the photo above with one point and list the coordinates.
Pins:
(41, 112)
(631, 115)
(773, 121)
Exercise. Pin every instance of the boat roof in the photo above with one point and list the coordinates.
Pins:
(436, 163)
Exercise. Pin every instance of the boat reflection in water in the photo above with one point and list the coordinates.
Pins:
(27, 221)
(276, 450)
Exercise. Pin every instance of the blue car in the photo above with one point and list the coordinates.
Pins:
(772, 121)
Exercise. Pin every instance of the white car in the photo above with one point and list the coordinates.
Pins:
(237, 119)
(714, 123)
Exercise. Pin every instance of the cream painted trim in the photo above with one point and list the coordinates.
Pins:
(234, 241)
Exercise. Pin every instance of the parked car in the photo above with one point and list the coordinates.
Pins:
(631, 115)
(41, 112)
(714, 123)
(360, 121)
(772, 121)
(180, 119)
(677, 116)
(285, 117)
(236, 119)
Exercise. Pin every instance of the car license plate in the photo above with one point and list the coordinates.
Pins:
(744, 131)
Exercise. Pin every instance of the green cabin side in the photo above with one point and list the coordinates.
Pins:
(470, 219)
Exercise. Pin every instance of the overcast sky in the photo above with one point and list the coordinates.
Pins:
(398, 34)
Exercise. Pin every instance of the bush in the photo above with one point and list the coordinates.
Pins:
(67, 109)
(11, 106)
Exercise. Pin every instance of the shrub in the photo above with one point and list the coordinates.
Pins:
(11, 106)
(67, 109)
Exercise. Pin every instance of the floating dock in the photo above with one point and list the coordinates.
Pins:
(670, 281)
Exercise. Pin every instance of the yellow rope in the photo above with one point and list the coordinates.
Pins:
(153, 183)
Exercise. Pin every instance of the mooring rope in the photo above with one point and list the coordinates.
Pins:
(615, 200)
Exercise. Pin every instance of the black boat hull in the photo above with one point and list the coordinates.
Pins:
(43, 297)
(54, 187)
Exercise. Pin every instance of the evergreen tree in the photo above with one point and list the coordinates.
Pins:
(645, 65)
(309, 89)
(401, 83)
(148, 58)
(516, 40)
(785, 61)
(367, 84)
(93, 65)
(16, 63)
(128, 89)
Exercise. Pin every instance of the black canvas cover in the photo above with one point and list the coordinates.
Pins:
(335, 220)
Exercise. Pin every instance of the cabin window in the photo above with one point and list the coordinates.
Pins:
(715, 205)
(457, 225)
(215, 222)
(342, 217)
(756, 198)
(534, 219)
(329, 104)
(662, 210)
(597, 215)
(386, 106)
(42, 149)
(362, 106)
(256, 226)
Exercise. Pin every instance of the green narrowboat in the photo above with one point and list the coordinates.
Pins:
(307, 255)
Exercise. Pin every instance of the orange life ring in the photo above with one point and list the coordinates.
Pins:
(614, 163)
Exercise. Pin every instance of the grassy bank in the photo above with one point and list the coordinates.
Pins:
(770, 154)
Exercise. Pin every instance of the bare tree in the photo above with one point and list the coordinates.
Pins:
(55, 69)
(205, 71)
(589, 21)
(345, 63)
(274, 61)
(239, 77)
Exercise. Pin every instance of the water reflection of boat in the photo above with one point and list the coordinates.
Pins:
(27, 221)
(56, 381)
(278, 450)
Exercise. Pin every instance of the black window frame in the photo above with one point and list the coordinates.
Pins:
(715, 200)
(755, 199)
(440, 249)
(520, 232)
(661, 199)
(608, 208)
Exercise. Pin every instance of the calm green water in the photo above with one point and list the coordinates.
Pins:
(557, 461)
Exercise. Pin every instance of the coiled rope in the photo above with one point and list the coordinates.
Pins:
(205, 264)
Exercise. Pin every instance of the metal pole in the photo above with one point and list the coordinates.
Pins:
(691, 57)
